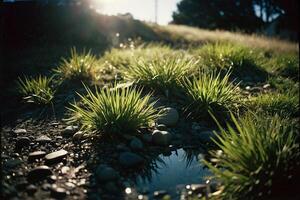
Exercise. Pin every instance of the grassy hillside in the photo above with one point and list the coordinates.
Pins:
(116, 79)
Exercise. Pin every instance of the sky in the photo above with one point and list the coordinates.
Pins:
(140, 9)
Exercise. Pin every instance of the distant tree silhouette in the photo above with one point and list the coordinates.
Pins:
(247, 15)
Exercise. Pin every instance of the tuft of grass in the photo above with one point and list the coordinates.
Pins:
(36, 90)
(283, 104)
(285, 65)
(80, 66)
(114, 112)
(211, 93)
(160, 74)
(260, 154)
(242, 61)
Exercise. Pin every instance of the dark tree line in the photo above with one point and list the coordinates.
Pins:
(246, 15)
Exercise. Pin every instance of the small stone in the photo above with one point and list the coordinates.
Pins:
(248, 87)
(111, 187)
(31, 189)
(56, 156)
(36, 155)
(159, 194)
(69, 131)
(206, 136)
(136, 144)
(266, 86)
(105, 173)
(169, 118)
(65, 169)
(162, 138)
(161, 127)
(78, 135)
(52, 179)
(147, 138)
(128, 159)
(198, 188)
(46, 186)
(12, 163)
(39, 173)
(43, 139)
(22, 142)
(19, 131)
(58, 192)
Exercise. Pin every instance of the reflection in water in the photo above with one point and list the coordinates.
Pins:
(180, 168)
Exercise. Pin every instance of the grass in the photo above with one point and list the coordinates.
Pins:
(192, 35)
(160, 74)
(259, 157)
(114, 112)
(211, 93)
(285, 65)
(80, 66)
(36, 90)
(282, 104)
(244, 62)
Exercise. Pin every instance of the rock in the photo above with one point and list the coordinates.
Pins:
(56, 156)
(46, 186)
(69, 131)
(111, 187)
(31, 189)
(105, 173)
(255, 89)
(248, 87)
(21, 185)
(198, 188)
(206, 136)
(169, 118)
(161, 127)
(65, 169)
(19, 131)
(159, 194)
(128, 159)
(52, 179)
(58, 192)
(162, 138)
(12, 163)
(147, 138)
(43, 139)
(266, 86)
(136, 144)
(36, 155)
(22, 142)
(78, 136)
(39, 173)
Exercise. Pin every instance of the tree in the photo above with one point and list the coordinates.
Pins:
(213, 14)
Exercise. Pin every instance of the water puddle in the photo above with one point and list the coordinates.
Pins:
(173, 172)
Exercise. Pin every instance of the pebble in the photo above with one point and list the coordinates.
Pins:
(22, 142)
(198, 188)
(56, 156)
(78, 135)
(105, 173)
(52, 179)
(266, 86)
(129, 159)
(206, 136)
(161, 127)
(69, 131)
(169, 118)
(12, 163)
(36, 155)
(159, 194)
(31, 189)
(147, 138)
(136, 144)
(19, 131)
(39, 173)
(43, 139)
(65, 169)
(162, 138)
(58, 192)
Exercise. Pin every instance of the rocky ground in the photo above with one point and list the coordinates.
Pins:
(52, 160)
